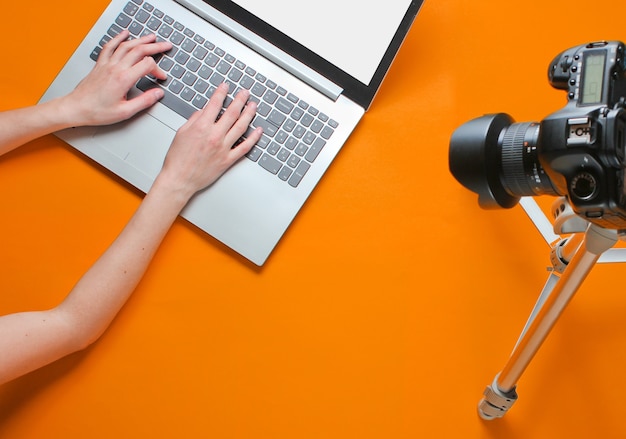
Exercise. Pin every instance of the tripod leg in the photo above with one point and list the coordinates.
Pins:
(501, 394)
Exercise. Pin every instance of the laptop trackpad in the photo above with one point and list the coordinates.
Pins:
(142, 142)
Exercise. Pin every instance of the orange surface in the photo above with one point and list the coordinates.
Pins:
(388, 306)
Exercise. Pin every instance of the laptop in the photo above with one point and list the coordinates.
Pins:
(313, 69)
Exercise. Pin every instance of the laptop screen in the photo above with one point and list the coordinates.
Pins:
(350, 42)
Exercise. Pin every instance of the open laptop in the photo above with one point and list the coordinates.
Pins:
(313, 69)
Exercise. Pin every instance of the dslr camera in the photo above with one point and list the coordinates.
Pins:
(576, 152)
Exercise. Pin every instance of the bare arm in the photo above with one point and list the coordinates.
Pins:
(99, 99)
(200, 153)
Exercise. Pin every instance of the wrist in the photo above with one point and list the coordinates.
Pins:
(60, 113)
(167, 188)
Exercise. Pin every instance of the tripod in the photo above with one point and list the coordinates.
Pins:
(572, 258)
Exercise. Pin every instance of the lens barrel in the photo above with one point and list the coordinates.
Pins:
(522, 173)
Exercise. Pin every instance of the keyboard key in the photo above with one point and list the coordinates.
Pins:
(193, 65)
(258, 89)
(216, 79)
(273, 148)
(223, 67)
(201, 86)
(187, 94)
(199, 101)
(95, 53)
(293, 160)
(298, 174)
(130, 8)
(284, 173)
(277, 118)
(309, 137)
(327, 132)
(235, 75)
(123, 20)
(178, 71)
(246, 82)
(270, 97)
(165, 31)
(200, 53)
(114, 30)
(188, 45)
(306, 120)
(284, 105)
(301, 149)
(317, 126)
(153, 24)
(254, 154)
(263, 109)
(270, 164)
(135, 28)
(176, 86)
(283, 155)
(177, 38)
(205, 72)
(268, 128)
(181, 57)
(211, 60)
(315, 149)
(189, 79)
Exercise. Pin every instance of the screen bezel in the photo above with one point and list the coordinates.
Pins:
(361, 93)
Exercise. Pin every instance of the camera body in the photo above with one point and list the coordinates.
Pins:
(577, 152)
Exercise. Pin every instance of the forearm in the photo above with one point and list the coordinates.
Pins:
(36, 339)
(23, 125)
(103, 290)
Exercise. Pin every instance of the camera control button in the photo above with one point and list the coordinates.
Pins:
(584, 186)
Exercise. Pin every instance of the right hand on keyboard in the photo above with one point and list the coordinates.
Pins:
(203, 148)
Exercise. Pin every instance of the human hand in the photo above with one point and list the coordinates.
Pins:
(101, 98)
(203, 148)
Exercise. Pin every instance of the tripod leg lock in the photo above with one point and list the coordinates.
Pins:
(496, 403)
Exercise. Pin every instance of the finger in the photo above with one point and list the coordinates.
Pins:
(145, 67)
(126, 46)
(241, 124)
(141, 102)
(109, 48)
(233, 111)
(142, 51)
(244, 147)
(213, 108)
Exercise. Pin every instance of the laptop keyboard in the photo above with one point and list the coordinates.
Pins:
(294, 132)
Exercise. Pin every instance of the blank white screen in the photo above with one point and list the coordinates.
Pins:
(351, 34)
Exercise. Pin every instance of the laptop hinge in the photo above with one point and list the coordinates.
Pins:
(263, 47)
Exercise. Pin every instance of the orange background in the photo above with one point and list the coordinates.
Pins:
(389, 304)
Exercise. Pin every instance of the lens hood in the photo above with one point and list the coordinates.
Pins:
(474, 159)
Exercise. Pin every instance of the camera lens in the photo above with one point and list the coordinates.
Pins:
(521, 171)
(498, 160)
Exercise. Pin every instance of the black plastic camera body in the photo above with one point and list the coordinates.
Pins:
(577, 152)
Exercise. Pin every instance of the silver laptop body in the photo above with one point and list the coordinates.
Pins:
(250, 206)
